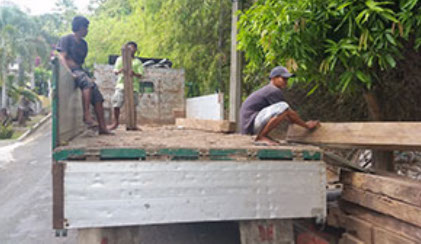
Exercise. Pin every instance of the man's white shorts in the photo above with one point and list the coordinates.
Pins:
(267, 113)
(118, 98)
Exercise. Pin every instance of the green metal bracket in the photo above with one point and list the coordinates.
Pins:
(226, 154)
(273, 154)
(54, 84)
(66, 154)
(180, 154)
(311, 155)
(123, 153)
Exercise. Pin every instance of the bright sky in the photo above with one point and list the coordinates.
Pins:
(37, 7)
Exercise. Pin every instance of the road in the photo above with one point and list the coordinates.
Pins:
(25, 191)
(26, 201)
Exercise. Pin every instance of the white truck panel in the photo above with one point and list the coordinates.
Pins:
(124, 193)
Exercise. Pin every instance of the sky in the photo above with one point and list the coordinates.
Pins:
(37, 7)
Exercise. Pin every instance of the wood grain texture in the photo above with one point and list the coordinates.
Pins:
(128, 89)
(207, 125)
(386, 222)
(377, 135)
(383, 204)
(402, 190)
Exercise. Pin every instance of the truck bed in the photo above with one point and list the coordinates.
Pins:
(154, 139)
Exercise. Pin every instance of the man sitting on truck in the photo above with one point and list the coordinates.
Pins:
(136, 73)
(72, 50)
(266, 108)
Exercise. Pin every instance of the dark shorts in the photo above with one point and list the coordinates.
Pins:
(83, 81)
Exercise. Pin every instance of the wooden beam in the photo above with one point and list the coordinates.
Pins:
(376, 135)
(58, 195)
(386, 222)
(402, 190)
(207, 125)
(360, 228)
(350, 239)
(382, 236)
(383, 204)
(128, 89)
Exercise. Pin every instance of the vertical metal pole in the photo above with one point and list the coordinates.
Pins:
(235, 74)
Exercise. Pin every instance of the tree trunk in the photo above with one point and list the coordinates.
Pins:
(382, 159)
(4, 87)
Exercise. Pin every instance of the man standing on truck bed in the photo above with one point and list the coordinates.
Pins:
(137, 72)
(72, 50)
(266, 108)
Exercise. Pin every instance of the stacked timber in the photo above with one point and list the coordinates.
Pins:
(378, 210)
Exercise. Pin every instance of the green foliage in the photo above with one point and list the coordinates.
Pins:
(42, 76)
(6, 131)
(193, 34)
(341, 44)
(23, 38)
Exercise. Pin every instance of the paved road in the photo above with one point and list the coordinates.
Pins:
(26, 205)
(25, 191)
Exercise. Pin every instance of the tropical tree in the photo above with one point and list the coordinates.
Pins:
(345, 46)
(193, 34)
(21, 42)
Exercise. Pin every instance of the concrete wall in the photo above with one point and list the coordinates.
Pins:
(154, 108)
(209, 107)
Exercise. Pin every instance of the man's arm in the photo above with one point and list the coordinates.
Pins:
(62, 56)
(295, 118)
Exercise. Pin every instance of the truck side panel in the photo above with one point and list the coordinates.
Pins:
(122, 193)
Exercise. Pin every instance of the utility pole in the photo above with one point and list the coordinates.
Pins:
(235, 74)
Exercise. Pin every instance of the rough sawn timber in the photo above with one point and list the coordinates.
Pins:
(207, 125)
(376, 135)
(403, 190)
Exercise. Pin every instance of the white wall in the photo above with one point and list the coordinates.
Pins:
(210, 107)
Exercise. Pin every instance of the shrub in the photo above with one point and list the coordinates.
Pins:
(6, 132)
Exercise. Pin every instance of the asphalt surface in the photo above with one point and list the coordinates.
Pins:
(25, 191)
(26, 201)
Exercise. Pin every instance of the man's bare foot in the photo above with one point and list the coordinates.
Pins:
(266, 141)
(113, 126)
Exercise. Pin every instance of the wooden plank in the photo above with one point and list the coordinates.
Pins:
(406, 191)
(267, 232)
(377, 135)
(350, 239)
(359, 228)
(58, 195)
(380, 220)
(382, 236)
(128, 89)
(383, 204)
(207, 125)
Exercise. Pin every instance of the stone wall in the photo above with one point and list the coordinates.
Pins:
(155, 107)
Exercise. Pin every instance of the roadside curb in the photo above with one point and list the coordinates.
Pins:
(34, 128)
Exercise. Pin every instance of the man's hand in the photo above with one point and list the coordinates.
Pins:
(132, 73)
(117, 72)
(312, 124)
